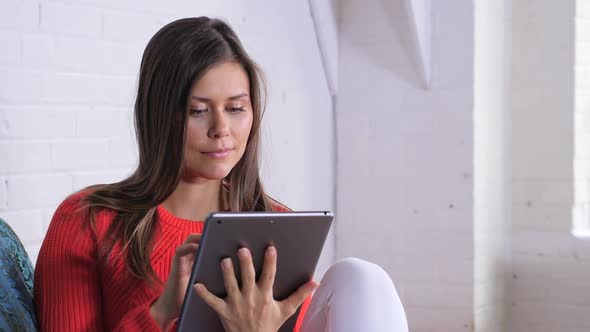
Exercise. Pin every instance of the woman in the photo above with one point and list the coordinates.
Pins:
(118, 256)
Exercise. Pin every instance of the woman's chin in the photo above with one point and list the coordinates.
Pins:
(218, 171)
(215, 174)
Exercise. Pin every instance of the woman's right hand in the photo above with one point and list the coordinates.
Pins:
(166, 309)
(252, 307)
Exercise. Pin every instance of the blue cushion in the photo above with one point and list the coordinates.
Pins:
(17, 311)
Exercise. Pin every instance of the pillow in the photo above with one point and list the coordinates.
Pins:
(17, 311)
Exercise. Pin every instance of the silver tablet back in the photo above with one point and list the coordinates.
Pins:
(298, 237)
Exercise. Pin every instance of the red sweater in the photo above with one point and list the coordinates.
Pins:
(75, 292)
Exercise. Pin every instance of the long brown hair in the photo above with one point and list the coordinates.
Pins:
(174, 59)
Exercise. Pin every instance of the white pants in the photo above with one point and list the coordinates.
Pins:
(355, 295)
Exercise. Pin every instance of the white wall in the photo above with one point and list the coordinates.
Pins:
(581, 211)
(550, 268)
(67, 82)
(421, 173)
(491, 161)
(405, 157)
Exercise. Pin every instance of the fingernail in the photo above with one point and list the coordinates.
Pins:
(271, 251)
(225, 263)
(243, 252)
(199, 287)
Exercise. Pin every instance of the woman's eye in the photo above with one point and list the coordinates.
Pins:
(236, 109)
(198, 111)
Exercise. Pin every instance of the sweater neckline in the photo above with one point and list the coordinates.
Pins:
(167, 217)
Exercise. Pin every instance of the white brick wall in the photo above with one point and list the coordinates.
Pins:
(406, 177)
(34, 191)
(49, 122)
(3, 194)
(68, 72)
(25, 156)
(20, 15)
(581, 209)
(550, 268)
(20, 86)
(71, 19)
(405, 168)
(410, 160)
(12, 53)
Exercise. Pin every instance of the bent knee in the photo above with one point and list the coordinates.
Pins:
(359, 270)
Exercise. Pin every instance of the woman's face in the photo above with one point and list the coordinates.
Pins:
(219, 122)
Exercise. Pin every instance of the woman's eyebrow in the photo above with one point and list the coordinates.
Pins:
(203, 99)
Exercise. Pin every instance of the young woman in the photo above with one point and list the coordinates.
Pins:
(118, 257)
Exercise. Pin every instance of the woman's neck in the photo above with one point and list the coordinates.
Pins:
(194, 200)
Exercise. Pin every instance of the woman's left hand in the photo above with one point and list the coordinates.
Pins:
(253, 308)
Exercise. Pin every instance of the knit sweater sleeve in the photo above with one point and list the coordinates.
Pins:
(67, 278)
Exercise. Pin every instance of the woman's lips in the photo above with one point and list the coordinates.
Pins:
(218, 154)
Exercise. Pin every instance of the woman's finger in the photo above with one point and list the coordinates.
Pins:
(187, 248)
(290, 304)
(213, 301)
(193, 238)
(229, 278)
(247, 268)
(269, 270)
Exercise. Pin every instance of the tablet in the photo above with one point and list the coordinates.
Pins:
(298, 237)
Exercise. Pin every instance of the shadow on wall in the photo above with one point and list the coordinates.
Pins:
(384, 40)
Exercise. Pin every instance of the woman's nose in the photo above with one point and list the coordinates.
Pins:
(219, 127)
